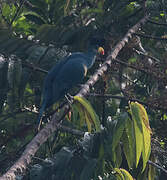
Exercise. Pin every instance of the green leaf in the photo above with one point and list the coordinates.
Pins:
(146, 134)
(128, 144)
(142, 132)
(6, 10)
(119, 174)
(90, 115)
(118, 153)
(138, 131)
(119, 129)
(126, 174)
(34, 17)
(151, 169)
(132, 60)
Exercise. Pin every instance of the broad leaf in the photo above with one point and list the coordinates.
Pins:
(119, 129)
(138, 131)
(126, 174)
(119, 174)
(90, 115)
(141, 115)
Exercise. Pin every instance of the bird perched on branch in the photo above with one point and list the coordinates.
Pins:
(68, 73)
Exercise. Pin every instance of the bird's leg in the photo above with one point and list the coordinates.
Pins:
(39, 125)
(69, 98)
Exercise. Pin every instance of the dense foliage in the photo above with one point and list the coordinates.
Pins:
(108, 136)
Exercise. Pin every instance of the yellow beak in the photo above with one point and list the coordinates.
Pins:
(101, 50)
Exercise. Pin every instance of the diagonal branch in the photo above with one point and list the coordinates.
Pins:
(52, 126)
(112, 56)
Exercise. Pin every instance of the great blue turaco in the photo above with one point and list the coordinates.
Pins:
(68, 73)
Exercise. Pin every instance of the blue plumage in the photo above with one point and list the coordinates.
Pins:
(64, 75)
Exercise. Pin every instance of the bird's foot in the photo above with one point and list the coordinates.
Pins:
(69, 98)
(39, 125)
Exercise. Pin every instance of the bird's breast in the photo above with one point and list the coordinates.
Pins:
(85, 70)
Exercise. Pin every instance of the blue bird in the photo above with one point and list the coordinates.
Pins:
(66, 74)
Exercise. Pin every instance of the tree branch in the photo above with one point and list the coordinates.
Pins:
(157, 23)
(112, 56)
(157, 166)
(151, 105)
(32, 66)
(70, 130)
(150, 37)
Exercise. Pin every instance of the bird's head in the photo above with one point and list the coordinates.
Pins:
(97, 45)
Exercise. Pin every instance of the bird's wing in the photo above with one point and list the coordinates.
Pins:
(53, 76)
(71, 74)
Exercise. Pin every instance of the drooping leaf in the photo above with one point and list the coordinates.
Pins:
(35, 18)
(138, 131)
(90, 115)
(119, 129)
(119, 174)
(128, 141)
(142, 117)
(126, 174)
(118, 155)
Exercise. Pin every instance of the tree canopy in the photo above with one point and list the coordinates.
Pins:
(115, 126)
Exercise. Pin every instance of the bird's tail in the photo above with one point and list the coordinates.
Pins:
(39, 121)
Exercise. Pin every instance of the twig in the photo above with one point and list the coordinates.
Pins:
(147, 71)
(70, 130)
(151, 37)
(146, 55)
(32, 66)
(157, 23)
(157, 166)
(144, 6)
(128, 99)
(130, 66)
(43, 55)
